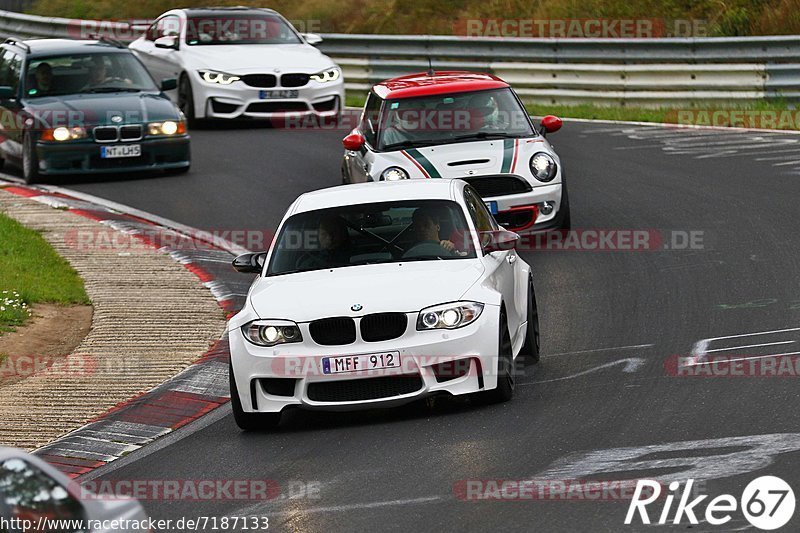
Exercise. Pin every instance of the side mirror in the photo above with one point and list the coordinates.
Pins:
(168, 84)
(250, 263)
(551, 124)
(498, 241)
(354, 142)
(312, 38)
(168, 41)
(7, 92)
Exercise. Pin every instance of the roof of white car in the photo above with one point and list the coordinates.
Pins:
(368, 193)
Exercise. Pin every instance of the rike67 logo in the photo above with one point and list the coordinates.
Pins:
(767, 503)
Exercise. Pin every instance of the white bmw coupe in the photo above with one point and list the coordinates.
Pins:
(377, 295)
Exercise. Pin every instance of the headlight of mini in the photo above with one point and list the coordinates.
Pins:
(168, 127)
(63, 133)
(543, 166)
(332, 74)
(271, 332)
(213, 76)
(394, 174)
(449, 316)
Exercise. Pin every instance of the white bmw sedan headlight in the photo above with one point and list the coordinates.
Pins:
(449, 316)
(331, 74)
(214, 76)
(271, 332)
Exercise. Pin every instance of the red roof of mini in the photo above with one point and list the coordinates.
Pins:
(422, 84)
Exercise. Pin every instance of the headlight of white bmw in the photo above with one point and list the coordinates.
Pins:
(394, 174)
(271, 332)
(214, 76)
(449, 316)
(543, 166)
(331, 74)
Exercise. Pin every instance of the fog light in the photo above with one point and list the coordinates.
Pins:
(546, 208)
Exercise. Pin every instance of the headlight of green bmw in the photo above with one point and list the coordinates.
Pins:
(168, 127)
(214, 76)
(449, 316)
(271, 332)
(332, 74)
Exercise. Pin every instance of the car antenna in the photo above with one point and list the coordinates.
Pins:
(430, 67)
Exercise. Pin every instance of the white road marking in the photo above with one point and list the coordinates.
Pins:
(700, 348)
(632, 364)
(263, 508)
(595, 350)
(748, 346)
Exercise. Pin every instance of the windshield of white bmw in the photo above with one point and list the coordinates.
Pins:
(86, 73)
(391, 232)
(244, 28)
(448, 118)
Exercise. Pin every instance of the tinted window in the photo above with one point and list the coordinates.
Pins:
(10, 69)
(78, 73)
(241, 28)
(456, 117)
(483, 220)
(28, 494)
(371, 233)
(169, 25)
(369, 122)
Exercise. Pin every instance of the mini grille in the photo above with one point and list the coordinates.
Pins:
(490, 186)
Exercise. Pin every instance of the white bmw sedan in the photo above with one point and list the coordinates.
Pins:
(379, 294)
(235, 62)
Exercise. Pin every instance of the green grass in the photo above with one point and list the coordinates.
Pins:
(446, 17)
(32, 272)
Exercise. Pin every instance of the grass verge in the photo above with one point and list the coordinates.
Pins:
(32, 272)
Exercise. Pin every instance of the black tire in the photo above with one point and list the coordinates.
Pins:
(531, 347)
(30, 160)
(249, 421)
(566, 219)
(186, 100)
(505, 366)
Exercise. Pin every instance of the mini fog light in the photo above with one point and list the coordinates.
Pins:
(546, 208)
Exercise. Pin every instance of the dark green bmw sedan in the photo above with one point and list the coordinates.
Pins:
(76, 107)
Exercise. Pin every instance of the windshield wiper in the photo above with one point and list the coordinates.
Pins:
(409, 144)
(112, 90)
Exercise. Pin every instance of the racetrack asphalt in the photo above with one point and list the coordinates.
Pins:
(611, 321)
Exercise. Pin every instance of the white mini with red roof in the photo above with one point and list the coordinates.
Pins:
(468, 126)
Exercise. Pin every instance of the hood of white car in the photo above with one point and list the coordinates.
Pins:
(258, 58)
(403, 287)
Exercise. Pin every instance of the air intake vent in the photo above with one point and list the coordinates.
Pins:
(353, 390)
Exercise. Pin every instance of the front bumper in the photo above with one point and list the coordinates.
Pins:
(522, 212)
(83, 157)
(239, 100)
(468, 356)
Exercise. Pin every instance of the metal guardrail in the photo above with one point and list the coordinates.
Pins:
(648, 72)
